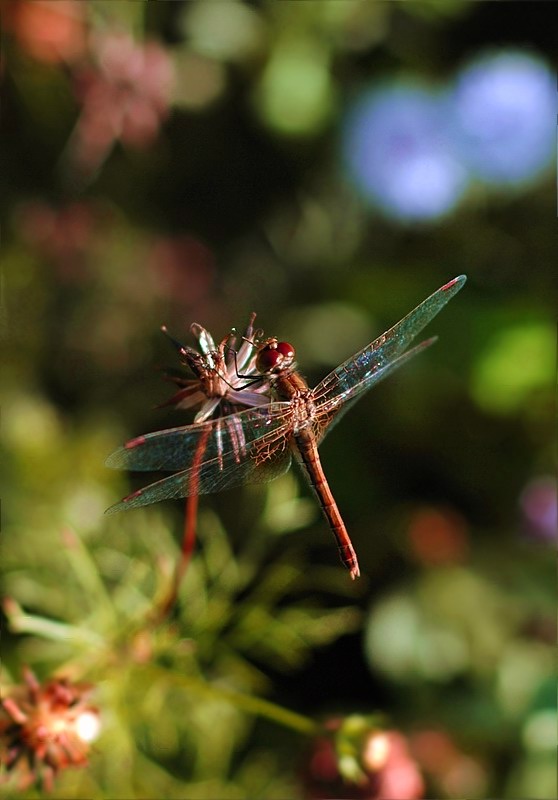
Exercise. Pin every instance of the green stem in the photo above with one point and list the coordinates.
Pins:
(251, 705)
(20, 622)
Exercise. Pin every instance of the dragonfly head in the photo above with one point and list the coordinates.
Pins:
(274, 356)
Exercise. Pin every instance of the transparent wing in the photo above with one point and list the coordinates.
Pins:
(211, 476)
(248, 447)
(381, 357)
(333, 411)
(176, 448)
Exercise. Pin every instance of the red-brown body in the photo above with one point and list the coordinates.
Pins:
(290, 385)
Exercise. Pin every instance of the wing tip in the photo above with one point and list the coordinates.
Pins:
(119, 459)
(122, 505)
(115, 461)
(455, 284)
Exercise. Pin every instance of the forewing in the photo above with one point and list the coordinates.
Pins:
(214, 475)
(380, 357)
(176, 448)
(248, 447)
(332, 410)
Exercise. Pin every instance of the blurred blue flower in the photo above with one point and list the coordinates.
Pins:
(538, 502)
(504, 109)
(399, 154)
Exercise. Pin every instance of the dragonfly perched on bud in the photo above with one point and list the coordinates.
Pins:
(257, 444)
(216, 389)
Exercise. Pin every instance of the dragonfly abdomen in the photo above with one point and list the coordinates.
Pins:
(308, 456)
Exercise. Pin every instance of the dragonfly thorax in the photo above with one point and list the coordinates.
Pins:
(274, 357)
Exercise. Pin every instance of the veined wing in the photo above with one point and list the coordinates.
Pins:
(248, 447)
(211, 476)
(330, 413)
(175, 448)
(380, 357)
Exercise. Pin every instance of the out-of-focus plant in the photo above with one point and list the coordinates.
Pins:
(449, 770)
(461, 627)
(516, 363)
(538, 503)
(124, 96)
(399, 153)
(44, 729)
(503, 109)
(50, 31)
(359, 758)
(414, 151)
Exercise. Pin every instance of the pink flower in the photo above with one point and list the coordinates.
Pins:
(362, 762)
(49, 31)
(387, 759)
(183, 269)
(125, 97)
(449, 769)
(45, 728)
(219, 384)
(62, 236)
(437, 536)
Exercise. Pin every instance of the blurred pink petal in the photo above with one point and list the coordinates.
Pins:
(399, 776)
(48, 31)
(437, 536)
(184, 268)
(61, 236)
(450, 769)
(388, 770)
(125, 97)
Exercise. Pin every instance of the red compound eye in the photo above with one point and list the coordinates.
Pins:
(286, 349)
(274, 356)
(267, 359)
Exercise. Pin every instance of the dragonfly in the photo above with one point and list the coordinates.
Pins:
(258, 444)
